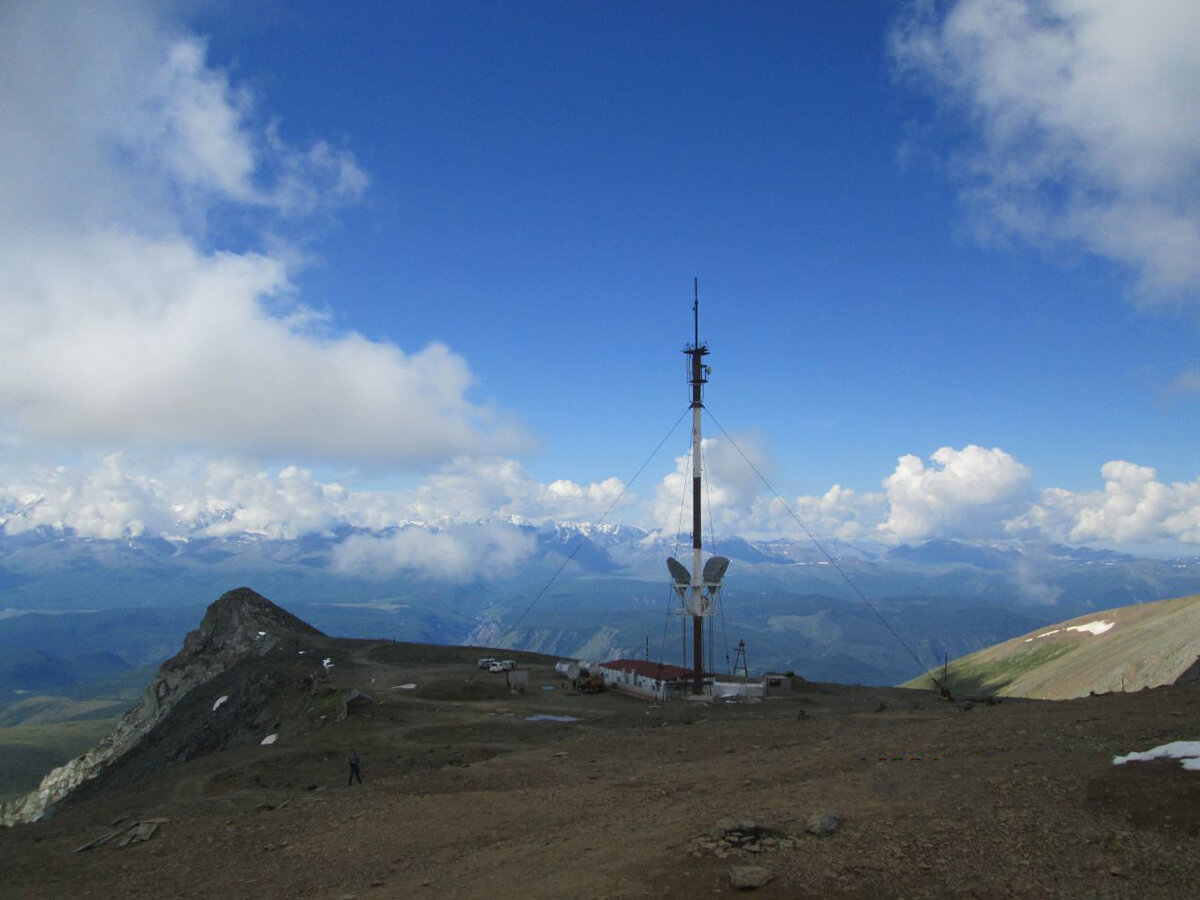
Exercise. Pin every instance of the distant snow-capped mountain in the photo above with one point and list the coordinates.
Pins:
(567, 588)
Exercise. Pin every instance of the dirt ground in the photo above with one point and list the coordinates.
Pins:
(464, 797)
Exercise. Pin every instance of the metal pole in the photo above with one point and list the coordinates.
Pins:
(697, 353)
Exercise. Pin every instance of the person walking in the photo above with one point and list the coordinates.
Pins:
(355, 767)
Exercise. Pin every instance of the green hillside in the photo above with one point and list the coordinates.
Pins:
(28, 752)
(1122, 649)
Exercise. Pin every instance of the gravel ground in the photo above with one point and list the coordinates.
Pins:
(465, 798)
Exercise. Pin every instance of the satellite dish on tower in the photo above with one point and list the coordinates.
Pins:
(714, 571)
(680, 576)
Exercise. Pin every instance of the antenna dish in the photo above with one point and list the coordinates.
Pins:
(714, 570)
(681, 577)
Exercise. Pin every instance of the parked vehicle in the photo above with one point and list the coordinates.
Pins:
(508, 664)
(487, 661)
(496, 666)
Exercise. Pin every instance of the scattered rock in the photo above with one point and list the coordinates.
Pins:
(738, 837)
(749, 878)
(824, 824)
(134, 834)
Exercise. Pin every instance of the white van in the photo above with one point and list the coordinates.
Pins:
(486, 662)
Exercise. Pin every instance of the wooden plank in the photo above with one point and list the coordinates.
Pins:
(98, 841)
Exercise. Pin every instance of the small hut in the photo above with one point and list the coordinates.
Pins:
(357, 703)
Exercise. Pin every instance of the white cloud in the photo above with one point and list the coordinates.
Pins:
(843, 513)
(193, 124)
(105, 503)
(1135, 508)
(120, 325)
(461, 553)
(1081, 123)
(121, 496)
(966, 493)
(476, 488)
(731, 489)
(113, 339)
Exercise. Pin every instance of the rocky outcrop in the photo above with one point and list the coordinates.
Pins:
(239, 627)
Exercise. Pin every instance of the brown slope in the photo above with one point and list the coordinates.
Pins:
(462, 797)
(1123, 649)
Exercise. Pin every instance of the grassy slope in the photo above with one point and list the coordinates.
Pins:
(28, 752)
(41, 731)
(1148, 645)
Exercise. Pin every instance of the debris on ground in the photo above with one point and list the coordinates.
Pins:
(133, 834)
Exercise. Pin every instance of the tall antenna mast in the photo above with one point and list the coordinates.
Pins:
(699, 375)
(699, 589)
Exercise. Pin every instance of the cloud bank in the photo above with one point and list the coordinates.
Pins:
(1074, 124)
(134, 310)
(968, 493)
(461, 553)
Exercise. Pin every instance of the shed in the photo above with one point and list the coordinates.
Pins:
(518, 680)
(777, 684)
(357, 703)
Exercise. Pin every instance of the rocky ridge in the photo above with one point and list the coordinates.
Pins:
(239, 627)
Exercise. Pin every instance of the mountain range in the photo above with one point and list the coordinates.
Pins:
(74, 608)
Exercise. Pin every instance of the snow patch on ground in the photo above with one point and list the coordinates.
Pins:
(545, 718)
(219, 701)
(1043, 634)
(407, 687)
(1095, 627)
(1098, 626)
(269, 739)
(1186, 751)
(327, 662)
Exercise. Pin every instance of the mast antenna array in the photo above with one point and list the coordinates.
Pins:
(698, 589)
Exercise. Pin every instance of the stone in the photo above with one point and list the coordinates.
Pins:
(749, 878)
(823, 824)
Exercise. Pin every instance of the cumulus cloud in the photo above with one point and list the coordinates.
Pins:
(477, 487)
(1134, 508)
(965, 493)
(843, 513)
(125, 497)
(461, 553)
(968, 493)
(119, 498)
(731, 496)
(1076, 123)
(126, 320)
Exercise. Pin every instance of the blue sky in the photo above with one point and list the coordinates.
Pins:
(436, 260)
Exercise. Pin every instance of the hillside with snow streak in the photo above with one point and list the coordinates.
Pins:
(1124, 649)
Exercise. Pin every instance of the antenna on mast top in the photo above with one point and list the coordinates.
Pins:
(696, 306)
